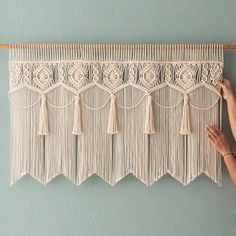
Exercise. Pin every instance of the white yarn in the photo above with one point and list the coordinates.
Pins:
(112, 127)
(77, 126)
(108, 85)
(185, 123)
(149, 120)
(43, 117)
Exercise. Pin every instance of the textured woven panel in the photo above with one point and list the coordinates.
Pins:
(114, 110)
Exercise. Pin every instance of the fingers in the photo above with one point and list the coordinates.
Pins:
(212, 140)
(213, 133)
(218, 139)
(223, 83)
(213, 130)
(221, 86)
(220, 82)
(218, 86)
(212, 136)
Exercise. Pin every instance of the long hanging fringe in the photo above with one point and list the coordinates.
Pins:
(185, 123)
(149, 119)
(112, 127)
(43, 117)
(77, 125)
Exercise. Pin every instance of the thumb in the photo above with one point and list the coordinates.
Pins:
(221, 85)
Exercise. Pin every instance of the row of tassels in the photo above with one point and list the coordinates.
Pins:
(112, 127)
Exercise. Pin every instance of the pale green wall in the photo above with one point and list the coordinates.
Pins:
(94, 208)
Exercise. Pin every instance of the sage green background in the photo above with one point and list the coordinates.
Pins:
(130, 208)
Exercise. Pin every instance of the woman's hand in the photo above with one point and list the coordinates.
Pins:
(218, 139)
(226, 89)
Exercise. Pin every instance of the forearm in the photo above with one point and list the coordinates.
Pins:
(230, 162)
(231, 106)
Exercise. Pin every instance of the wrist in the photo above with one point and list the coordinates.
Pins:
(226, 151)
(228, 155)
(231, 99)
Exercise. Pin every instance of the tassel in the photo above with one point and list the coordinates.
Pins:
(43, 117)
(112, 120)
(149, 120)
(77, 126)
(185, 123)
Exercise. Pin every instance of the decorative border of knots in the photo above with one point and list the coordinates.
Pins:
(112, 74)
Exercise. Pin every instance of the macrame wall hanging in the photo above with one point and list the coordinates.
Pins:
(112, 110)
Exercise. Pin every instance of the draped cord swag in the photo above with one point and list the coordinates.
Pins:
(112, 110)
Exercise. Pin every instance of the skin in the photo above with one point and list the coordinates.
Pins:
(217, 138)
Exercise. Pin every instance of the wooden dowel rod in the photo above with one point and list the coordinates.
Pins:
(225, 46)
(4, 46)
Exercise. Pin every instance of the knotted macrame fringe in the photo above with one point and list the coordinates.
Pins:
(185, 128)
(112, 127)
(43, 117)
(149, 119)
(77, 125)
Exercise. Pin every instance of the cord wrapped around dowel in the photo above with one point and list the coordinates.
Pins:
(149, 118)
(112, 127)
(185, 128)
(43, 117)
(77, 125)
